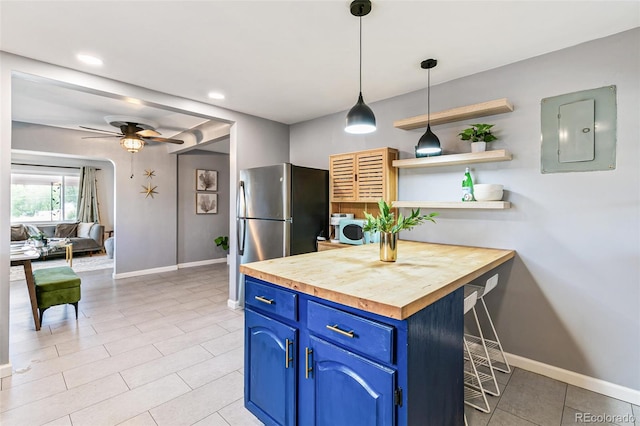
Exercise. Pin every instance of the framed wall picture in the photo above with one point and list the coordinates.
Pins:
(206, 203)
(206, 180)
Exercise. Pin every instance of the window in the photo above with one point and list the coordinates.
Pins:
(42, 197)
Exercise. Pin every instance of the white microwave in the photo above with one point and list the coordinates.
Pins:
(351, 231)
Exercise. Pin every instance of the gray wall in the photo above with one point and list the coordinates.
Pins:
(570, 299)
(196, 232)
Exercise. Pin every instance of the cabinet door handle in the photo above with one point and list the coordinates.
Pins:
(287, 359)
(264, 300)
(307, 369)
(335, 328)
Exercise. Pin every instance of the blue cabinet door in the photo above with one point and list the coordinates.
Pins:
(348, 389)
(270, 369)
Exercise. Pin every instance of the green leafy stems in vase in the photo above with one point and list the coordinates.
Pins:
(388, 226)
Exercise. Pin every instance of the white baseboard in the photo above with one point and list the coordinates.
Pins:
(576, 379)
(145, 272)
(5, 370)
(234, 304)
(202, 263)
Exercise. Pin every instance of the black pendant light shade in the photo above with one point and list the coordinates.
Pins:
(360, 119)
(429, 144)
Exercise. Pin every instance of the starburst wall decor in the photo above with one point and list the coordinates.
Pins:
(149, 190)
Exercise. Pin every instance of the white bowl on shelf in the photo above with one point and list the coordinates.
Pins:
(488, 192)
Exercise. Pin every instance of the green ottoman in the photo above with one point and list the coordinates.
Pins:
(56, 286)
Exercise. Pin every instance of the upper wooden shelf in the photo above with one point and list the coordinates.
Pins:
(454, 159)
(498, 106)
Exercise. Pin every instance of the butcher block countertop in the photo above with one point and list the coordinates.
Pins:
(355, 276)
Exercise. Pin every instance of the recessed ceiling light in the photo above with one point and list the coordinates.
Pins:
(89, 60)
(216, 95)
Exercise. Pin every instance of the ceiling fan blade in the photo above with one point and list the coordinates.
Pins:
(147, 133)
(101, 137)
(153, 139)
(100, 130)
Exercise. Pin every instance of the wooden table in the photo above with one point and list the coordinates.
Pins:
(25, 259)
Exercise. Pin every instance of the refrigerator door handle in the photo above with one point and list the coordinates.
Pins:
(241, 235)
(242, 199)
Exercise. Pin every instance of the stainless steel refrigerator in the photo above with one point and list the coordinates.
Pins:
(281, 210)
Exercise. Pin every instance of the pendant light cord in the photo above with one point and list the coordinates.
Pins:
(360, 19)
(428, 96)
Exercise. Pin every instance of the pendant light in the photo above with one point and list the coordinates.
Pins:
(360, 119)
(429, 144)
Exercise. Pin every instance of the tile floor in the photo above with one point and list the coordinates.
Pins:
(164, 349)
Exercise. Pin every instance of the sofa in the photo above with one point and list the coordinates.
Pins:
(85, 237)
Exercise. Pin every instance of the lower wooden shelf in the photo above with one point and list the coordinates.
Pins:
(486, 205)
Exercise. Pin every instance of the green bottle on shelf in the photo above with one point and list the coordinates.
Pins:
(467, 186)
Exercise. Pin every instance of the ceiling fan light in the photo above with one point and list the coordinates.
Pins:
(131, 144)
(360, 119)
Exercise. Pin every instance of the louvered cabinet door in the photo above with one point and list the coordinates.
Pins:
(343, 178)
(370, 176)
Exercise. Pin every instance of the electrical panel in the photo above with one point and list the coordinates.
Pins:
(579, 131)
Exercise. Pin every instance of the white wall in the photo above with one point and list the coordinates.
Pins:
(572, 294)
(196, 232)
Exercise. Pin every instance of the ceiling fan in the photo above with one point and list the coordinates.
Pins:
(134, 133)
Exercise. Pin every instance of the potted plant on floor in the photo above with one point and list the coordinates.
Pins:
(388, 226)
(479, 135)
(223, 242)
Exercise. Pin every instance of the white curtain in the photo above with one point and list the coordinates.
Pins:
(87, 196)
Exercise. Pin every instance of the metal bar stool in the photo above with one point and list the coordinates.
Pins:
(481, 357)
(494, 347)
(474, 393)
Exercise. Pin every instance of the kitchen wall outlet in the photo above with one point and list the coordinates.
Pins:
(579, 131)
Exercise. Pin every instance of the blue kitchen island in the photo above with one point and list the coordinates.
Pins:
(340, 338)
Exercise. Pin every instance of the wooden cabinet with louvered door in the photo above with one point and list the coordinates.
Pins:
(342, 181)
(361, 178)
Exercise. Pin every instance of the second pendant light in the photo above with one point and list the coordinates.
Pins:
(360, 119)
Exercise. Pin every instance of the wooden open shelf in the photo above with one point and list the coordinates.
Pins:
(454, 159)
(482, 205)
(497, 106)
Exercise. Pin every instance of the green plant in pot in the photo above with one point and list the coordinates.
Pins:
(223, 242)
(388, 226)
(478, 135)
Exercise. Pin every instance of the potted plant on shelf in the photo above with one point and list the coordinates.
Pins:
(388, 226)
(479, 135)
